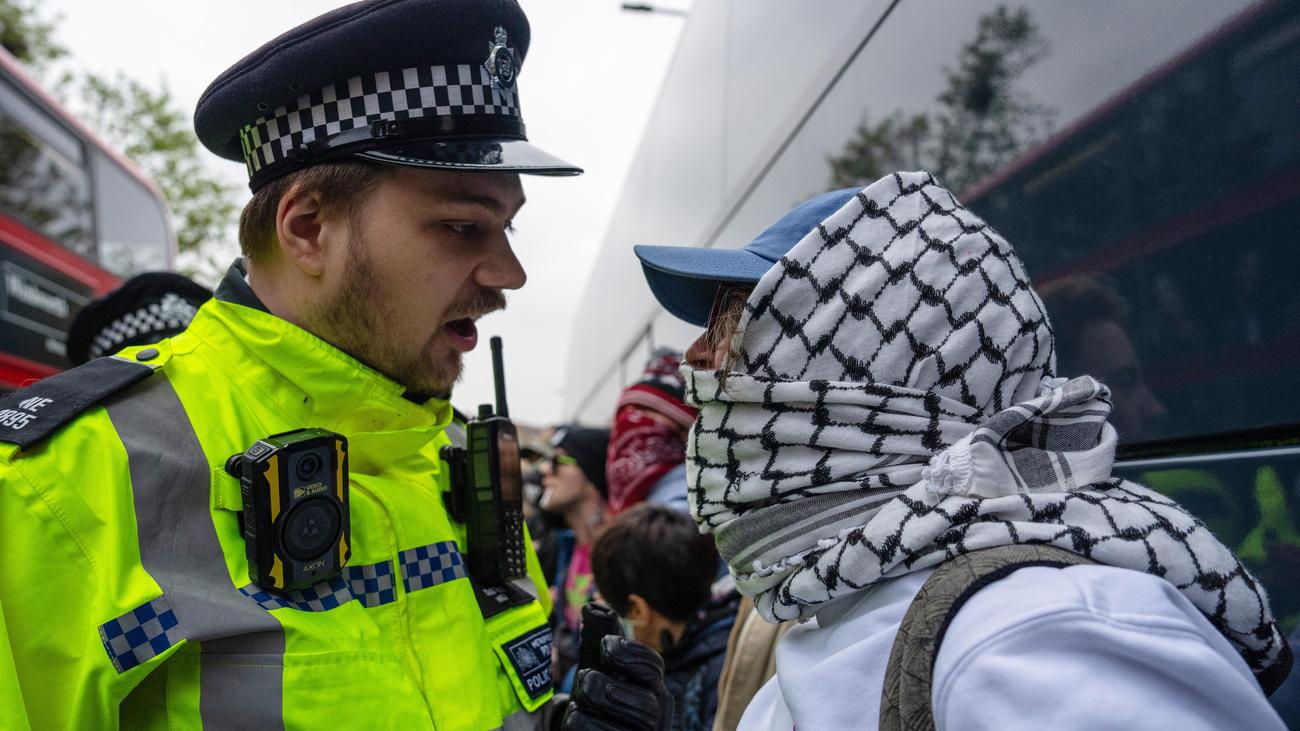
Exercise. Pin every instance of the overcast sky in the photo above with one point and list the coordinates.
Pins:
(588, 85)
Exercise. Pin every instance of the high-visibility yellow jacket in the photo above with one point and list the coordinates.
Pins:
(124, 589)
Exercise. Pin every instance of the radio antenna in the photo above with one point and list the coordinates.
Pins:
(499, 376)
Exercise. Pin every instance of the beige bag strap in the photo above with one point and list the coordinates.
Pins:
(751, 661)
(905, 700)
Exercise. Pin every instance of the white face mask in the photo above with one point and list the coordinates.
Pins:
(629, 627)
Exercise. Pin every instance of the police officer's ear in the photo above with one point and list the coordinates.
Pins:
(308, 236)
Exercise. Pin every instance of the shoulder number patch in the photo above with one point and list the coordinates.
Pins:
(20, 417)
(33, 413)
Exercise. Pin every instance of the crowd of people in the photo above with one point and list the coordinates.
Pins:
(609, 516)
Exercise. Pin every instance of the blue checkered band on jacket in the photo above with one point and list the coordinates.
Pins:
(431, 565)
(372, 585)
(459, 90)
(141, 634)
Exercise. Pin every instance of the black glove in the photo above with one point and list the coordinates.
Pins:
(620, 682)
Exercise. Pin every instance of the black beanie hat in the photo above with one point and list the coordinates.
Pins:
(588, 447)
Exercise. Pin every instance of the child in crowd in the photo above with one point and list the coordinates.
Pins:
(657, 571)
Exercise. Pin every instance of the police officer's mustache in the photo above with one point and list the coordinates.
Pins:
(462, 314)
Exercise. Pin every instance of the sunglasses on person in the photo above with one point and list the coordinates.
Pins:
(559, 459)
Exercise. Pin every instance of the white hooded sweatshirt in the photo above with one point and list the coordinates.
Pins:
(1084, 647)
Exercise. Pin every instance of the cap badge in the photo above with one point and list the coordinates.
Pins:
(500, 63)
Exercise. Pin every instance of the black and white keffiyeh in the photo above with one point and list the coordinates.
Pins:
(892, 406)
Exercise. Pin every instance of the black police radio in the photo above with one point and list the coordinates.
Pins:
(487, 496)
(295, 519)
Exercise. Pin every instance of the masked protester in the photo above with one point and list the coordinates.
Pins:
(884, 452)
(647, 446)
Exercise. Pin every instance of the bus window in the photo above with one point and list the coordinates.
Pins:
(43, 180)
(131, 224)
(1145, 168)
(1158, 229)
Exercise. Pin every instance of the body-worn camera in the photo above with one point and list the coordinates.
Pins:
(295, 519)
(487, 496)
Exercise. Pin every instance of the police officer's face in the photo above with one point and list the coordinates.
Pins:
(422, 259)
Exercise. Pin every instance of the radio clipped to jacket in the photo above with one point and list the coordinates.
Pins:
(487, 496)
(295, 519)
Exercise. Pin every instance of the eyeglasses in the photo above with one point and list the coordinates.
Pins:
(559, 459)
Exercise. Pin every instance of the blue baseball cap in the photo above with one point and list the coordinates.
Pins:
(685, 279)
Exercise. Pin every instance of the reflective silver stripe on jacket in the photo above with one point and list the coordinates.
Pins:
(242, 669)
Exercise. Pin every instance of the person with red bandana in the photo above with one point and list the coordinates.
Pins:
(647, 446)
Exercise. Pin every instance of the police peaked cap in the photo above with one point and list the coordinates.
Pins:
(145, 309)
(421, 83)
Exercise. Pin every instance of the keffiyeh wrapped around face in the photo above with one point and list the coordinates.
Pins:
(892, 406)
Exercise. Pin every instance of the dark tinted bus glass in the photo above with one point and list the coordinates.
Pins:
(1160, 232)
(1144, 160)
(43, 179)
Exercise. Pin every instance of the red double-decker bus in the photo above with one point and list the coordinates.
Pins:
(75, 217)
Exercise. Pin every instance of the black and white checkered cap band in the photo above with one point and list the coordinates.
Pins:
(463, 90)
(166, 317)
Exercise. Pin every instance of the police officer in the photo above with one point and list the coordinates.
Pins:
(384, 144)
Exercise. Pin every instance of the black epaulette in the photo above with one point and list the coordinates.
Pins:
(33, 413)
